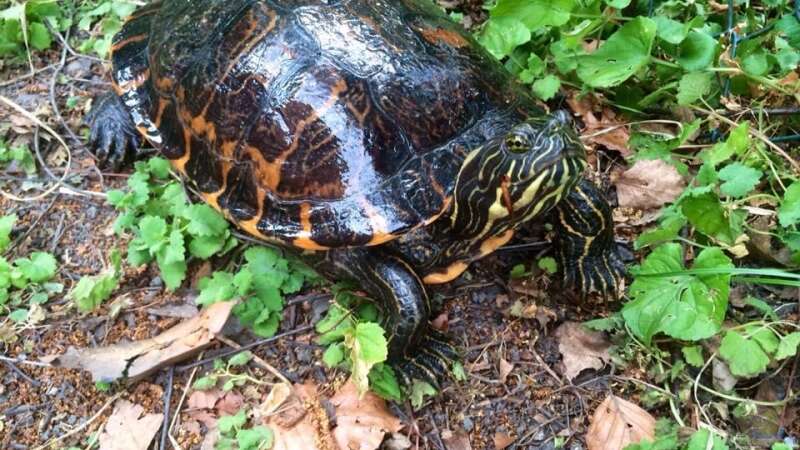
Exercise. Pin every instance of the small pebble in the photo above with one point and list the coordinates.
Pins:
(467, 424)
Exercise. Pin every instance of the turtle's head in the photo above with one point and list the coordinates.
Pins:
(518, 176)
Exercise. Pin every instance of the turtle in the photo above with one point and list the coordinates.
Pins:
(376, 138)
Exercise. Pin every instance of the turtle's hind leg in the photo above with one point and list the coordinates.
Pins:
(415, 350)
(585, 245)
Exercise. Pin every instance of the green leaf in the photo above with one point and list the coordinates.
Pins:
(205, 221)
(694, 355)
(547, 87)
(383, 382)
(172, 273)
(739, 179)
(693, 87)
(788, 346)
(420, 390)
(697, 51)
(672, 222)
(621, 56)
(153, 231)
(705, 440)
(502, 35)
(619, 4)
(19, 315)
(790, 27)
(707, 215)
(548, 264)
(205, 383)
(240, 359)
(737, 143)
(218, 288)
(6, 226)
(670, 30)
(368, 346)
(335, 325)
(255, 438)
(159, 167)
(229, 424)
(39, 268)
(91, 292)
(534, 14)
(205, 247)
(334, 355)
(789, 211)
(756, 63)
(39, 36)
(745, 356)
(682, 306)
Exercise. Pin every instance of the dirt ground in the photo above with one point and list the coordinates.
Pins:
(515, 387)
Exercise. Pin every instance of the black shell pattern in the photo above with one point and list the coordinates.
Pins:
(318, 124)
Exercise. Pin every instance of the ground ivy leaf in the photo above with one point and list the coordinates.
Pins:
(697, 51)
(39, 36)
(622, 55)
(6, 225)
(745, 357)
(788, 346)
(707, 215)
(383, 382)
(255, 438)
(701, 439)
(694, 86)
(228, 424)
(159, 167)
(217, 288)
(333, 355)
(205, 221)
(39, 267)
(671, 223)
(547, 87)
(789, 211)
(153, 231)
(737, 143)
(670, 30)
(420, 390)
(502, 35)
(693, 355)
(534, 14)
(682, 306)
(739, 179)
(368, 346)
(619, 4)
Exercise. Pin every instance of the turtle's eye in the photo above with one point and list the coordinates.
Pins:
(517, 144)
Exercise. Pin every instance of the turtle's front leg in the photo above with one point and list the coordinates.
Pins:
(113, 138)
(585, 244)
(415, 350)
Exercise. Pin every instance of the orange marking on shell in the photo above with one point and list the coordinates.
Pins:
(251, 226)
(180, 163)
(441, 35)
(493, 243)
(162, 106)
(130, 40)
(304, 240)
(165, 84)
(449, 274)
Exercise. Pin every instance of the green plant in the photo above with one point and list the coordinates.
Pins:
(23, 25)
(234, 434)
(166, 227)
(91, 292)
(19, 154)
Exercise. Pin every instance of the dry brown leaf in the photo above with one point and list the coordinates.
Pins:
(204, 399)
(606, 130)
(502, 440)
(230, 404)
(141, 358)
(581, 348)
(456, 441)
(362, 421)
(505, 368)
(300, 422)
(127, 429)
(649, 184)
(617, 423)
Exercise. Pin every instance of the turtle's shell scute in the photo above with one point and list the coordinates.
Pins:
(320, 124)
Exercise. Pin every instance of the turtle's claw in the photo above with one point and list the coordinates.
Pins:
(430, 362)
(113, 139)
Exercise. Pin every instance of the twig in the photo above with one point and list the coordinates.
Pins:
(245, 347)
(260, 361)
(10, 103)
(22, 374)
(52, 442)
(167, 400)
(755, 133)
(52, 94)
(24, 362)
(177, 414)
(30, 229)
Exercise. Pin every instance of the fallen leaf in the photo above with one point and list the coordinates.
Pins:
(617, 423)
(722, 377)
(502, 440)
(606, 130)
(581, 348)
(456, 441)
(505, 368)
(230, 404)
(362, 421)
(204, 399)
(649, 184)
(397, 442)
(127, 429)
(141, 358)
(300, 422)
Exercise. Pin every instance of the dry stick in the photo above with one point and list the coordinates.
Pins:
(167, 400)
(177, 413)
(51, 443)
(755, 133)
(24, 362)
(257, 359)
(60, 182)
